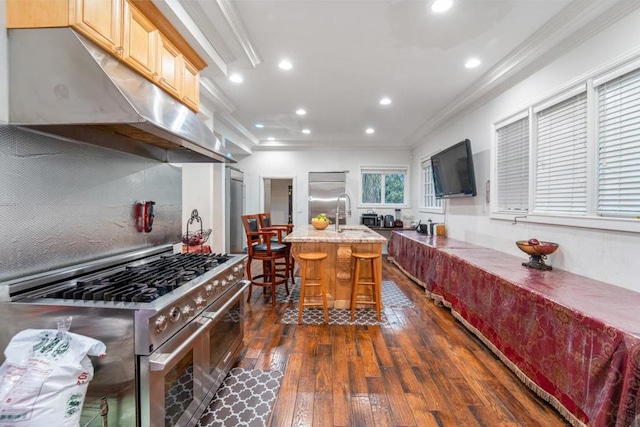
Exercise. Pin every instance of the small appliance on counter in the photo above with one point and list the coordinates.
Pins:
(370, 219)
(388, 221)
(397, 223)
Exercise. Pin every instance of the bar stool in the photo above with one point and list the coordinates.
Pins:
(374, 282)
(306, 259)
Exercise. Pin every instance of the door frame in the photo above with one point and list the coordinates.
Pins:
(294, 189)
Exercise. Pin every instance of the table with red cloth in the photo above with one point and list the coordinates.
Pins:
(575, 341)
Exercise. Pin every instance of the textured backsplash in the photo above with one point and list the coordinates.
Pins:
(64, 202)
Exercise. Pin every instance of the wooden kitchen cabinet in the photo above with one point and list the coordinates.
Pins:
(191, 85)
(133, 31)
(170, 68)
(99, 20)
(139, 42)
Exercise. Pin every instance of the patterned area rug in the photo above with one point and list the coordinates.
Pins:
(245, 398)
(337, 316)
(392, 296)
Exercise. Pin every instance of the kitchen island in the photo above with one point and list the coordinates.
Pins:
(338, 246)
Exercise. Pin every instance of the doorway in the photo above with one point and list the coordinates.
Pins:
(278, 199)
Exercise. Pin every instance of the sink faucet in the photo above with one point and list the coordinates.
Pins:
(347, 210)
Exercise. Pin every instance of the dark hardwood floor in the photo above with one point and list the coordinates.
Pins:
(423, 369)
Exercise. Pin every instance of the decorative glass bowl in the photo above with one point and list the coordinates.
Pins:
(537, 253)
(319, 224)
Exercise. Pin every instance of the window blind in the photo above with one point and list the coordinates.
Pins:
(512, 162)
(561, 157)
(618, 176)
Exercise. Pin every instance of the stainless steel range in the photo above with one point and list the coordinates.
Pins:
(172, 324)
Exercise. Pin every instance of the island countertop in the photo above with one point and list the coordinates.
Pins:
(349, 234)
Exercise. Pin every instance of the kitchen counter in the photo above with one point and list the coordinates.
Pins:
(338, 247)
(349, 234)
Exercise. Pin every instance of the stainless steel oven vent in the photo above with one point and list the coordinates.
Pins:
(61, 83)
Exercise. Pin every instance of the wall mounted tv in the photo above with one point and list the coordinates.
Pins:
(453, 174)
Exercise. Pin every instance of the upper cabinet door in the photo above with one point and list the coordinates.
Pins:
(139, 42)
(170, 67)
(100, 20)
(191, 86)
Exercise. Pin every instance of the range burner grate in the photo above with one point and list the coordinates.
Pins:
(145, 282)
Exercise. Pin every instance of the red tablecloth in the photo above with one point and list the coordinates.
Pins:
(574, 340)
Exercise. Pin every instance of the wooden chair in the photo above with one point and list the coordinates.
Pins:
(282, 230)
(260, 247)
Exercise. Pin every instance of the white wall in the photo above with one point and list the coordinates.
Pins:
(203, 189)
(602, 255)
(297, 165)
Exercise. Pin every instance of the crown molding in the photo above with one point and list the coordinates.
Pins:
(577, 22)
(217, 97)
(237, 26)
(233, 125)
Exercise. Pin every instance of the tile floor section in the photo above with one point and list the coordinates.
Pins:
(245, 399)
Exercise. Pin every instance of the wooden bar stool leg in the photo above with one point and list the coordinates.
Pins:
(375, 292)
(323, 289)
(303, 281)
(354, 288)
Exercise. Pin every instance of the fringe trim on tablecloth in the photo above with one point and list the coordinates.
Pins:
(553, 401)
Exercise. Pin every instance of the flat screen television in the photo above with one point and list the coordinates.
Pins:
(453, 174)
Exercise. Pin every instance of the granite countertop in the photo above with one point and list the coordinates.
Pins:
(350, 233)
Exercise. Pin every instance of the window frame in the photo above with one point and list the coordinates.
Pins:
(591, 219)
(438, 206)
(384, 169)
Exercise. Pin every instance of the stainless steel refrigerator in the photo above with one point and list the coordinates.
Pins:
(324, 189)
(234, 206)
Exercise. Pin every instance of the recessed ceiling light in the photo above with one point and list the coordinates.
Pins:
(370, 130)
(472, 63)
(301, 111)
(306, 131)
(259, 125)
(440, 6)
(271, 138)
(236, 78)
(285, 64)
(385, 101)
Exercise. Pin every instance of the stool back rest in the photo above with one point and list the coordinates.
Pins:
(265, 219)
(251, 225)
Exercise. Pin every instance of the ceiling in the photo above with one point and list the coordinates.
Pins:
(348, 54)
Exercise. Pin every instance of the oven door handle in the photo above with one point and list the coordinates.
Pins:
(230, 302)
(161, 365)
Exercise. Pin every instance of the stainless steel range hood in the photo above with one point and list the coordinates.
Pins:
(61, 83)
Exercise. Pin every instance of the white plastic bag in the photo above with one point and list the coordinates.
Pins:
(44, 379)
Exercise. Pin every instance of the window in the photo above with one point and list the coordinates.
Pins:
(429, 200)
(384, 186)
(512, 164)
(619, 146)
(574, 159)
(561, 157)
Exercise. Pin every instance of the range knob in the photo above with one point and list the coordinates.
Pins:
(174, 314)
(200, 302)
(216, 284)
(231, 277)
(224, 283)
(161, 323)
(208, 290)
(188, 311)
